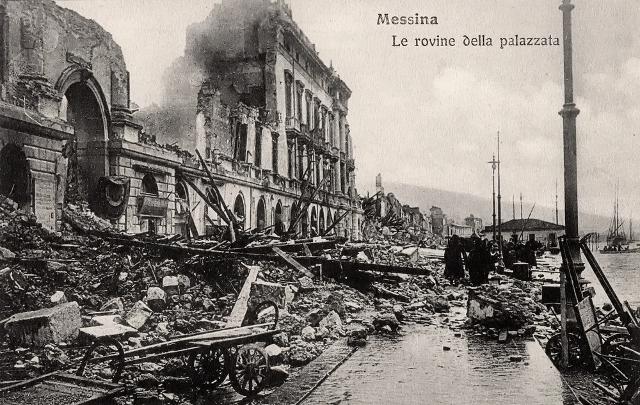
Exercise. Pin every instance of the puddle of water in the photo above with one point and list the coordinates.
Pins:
(417, 370)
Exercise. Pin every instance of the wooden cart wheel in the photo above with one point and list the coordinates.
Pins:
(104, 347)
(576, 350)
(622, 359)
(208, 368)
(265, 312)
(248, 370)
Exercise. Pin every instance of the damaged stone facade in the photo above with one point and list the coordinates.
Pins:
(266, 112)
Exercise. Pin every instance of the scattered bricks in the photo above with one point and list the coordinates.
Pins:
(184, 283)
(156, 298)
(114, 304)
(171, 285)
(58, 298)
(50, 325)
(138, 315)
(306, 284)
(262, 291)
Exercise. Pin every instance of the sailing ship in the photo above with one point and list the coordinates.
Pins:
(617, 241)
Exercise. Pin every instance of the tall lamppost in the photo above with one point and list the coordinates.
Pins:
(499, 201)
(493, 167)
(569, 113)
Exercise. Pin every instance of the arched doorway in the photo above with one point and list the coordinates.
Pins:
(314, 222)
(261, 217)
(277, 218)
(85, 108)
(15, 175)
(238, 210)
(321, 221)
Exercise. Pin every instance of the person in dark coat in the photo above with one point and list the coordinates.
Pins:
(479, 263)
(454, 258)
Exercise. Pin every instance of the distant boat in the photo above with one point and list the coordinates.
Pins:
(617, 241)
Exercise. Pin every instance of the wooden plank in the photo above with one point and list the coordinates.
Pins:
(240, 308)
(589, 323)
(293, 263)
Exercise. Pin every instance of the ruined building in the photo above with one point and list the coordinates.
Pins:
(267, 114)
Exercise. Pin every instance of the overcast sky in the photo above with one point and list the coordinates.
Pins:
(429, 116)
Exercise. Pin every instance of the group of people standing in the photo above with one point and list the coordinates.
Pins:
(479, 262)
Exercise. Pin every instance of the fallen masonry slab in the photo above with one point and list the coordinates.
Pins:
(50, 325)
(138, 315)
(262, 291)
(112, 330)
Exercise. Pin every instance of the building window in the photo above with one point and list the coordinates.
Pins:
(149, 185)
(288, 94)
(309, 109)
(241, 143)
(258, 150)
(299, 103)
(274, 152)
(290, 160)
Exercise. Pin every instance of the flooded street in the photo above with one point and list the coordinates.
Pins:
(416, 368)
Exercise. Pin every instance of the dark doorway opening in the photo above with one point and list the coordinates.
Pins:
(15, 175)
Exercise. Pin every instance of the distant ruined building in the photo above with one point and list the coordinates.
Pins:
(250, 93)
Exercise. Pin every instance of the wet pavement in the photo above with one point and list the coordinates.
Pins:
(417, 368)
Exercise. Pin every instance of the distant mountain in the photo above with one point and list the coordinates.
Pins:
(460, 205)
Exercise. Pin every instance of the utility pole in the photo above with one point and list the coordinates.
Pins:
(521, 216)
(493, 167)
(499, 201)
(557, 223)
(569, 113)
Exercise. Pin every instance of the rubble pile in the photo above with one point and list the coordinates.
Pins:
(508, 308)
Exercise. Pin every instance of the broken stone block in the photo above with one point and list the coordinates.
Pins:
(335, 302)
(138, 315)
(156, 298)
(290, 292)
(114, 304)
(275, 353)
(262, 291)
(277, 375)
(50, 325)
(308, 334)
(184, 283)
(332, 322)
(398, 311)
(315, 316)
(58, 298)
(439, 303)
(388, 320)
(171, 285)
(92, 333)
(306, 284)
(6, 254)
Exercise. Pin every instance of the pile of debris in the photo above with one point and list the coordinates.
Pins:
(61, 291)
(509, 308)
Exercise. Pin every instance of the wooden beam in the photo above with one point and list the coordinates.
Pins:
(239, 310)
(293, 263)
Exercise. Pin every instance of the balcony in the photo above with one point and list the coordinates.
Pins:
(292, 124)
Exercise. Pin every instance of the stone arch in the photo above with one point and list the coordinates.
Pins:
(239, 209)
(15, 174)
(84, 106)
(321, 221)
(261, 214)
(277, 219)
(149, 184)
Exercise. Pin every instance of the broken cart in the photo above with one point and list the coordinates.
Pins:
(236, 352)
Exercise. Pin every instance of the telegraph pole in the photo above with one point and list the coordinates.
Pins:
(493, 167)
(569, 113)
